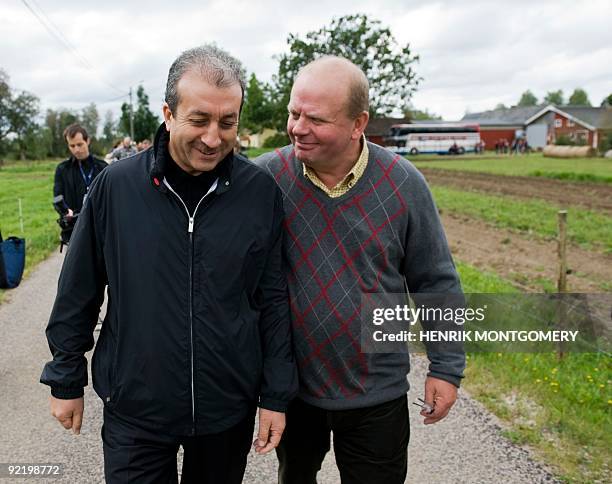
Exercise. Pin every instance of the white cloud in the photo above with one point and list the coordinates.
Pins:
(472, 54)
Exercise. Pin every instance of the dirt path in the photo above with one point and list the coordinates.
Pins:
(523, 260)
(595, 196)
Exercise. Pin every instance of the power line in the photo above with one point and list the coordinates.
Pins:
(57, 34)
(115, 98)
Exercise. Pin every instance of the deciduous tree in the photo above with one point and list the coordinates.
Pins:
(387, 64)
(528, 99)
(579, 98)
(555, 97)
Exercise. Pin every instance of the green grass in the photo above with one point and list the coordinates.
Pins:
(477, 281)
(575, 169)
(32, 182)
(585, 227)
(561, 408)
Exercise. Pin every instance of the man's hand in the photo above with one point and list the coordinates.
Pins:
(68, 412)
(271, 427)
(441, 396)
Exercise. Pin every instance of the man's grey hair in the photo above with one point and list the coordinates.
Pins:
(216, 66)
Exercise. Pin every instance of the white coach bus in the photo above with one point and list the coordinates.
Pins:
(443, 138)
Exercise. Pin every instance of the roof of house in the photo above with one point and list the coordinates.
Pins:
(514, 116)
(595, 117)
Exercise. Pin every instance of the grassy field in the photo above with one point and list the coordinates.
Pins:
(562, 408)
(577, 169)
(33, 184)
(585, 227)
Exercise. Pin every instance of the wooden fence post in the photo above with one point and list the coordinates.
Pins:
(562, 251)
(562, 281)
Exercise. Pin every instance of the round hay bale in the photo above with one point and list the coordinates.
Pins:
(608, 154)
(554, 151)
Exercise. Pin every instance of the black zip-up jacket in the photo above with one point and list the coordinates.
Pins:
(197, 330)
(70, 184)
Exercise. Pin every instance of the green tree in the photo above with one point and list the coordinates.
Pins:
(528, 99)
(124, 120)
(500, 107)
(387, 64)
(56, 122)
(579, 98)
(90, 119)
(607, 101)
(5, 101)
(22, 112)
(257, 112)
(145, 122)
(109, 130)
(415, 114)
(555, 97)
(37, 139)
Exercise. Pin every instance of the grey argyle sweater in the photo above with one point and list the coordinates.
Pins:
(382, 235)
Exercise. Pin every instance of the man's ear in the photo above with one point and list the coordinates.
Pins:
(359, 124)
(167, 115)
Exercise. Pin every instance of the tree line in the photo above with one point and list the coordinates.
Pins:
(27, 133)
(578, 97)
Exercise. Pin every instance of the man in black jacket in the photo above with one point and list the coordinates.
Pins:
(73, 178)
(188, 237)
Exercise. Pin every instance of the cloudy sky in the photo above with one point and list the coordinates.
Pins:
(473, 54)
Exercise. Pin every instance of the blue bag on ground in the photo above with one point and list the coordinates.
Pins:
(12, 261)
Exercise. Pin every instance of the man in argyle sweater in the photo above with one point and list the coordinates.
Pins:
(359, 220)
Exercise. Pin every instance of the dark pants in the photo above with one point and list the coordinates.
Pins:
(371, 444)
(132, 454)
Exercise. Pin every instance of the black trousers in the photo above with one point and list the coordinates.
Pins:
(132, 454)
(371, 444)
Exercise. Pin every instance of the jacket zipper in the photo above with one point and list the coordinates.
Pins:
(190, 224)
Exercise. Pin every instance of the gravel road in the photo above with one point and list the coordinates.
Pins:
(466, 447)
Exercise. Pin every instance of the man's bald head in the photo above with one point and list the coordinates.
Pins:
(338, 70)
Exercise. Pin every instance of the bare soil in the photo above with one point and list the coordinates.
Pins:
(530, 263)
(595, 196)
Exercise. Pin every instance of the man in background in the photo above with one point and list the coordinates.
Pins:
(73, 177)
(124, 150)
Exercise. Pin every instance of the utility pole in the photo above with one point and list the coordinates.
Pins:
(131, 116)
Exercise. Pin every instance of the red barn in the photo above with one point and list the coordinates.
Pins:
(499, 124)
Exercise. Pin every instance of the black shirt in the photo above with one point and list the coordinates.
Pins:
(191, 188)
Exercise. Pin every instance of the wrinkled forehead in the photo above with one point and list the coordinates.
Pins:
(196, 93)
(319, 94)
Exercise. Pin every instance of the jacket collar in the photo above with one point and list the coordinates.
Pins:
(161, 159)
(88, 161)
